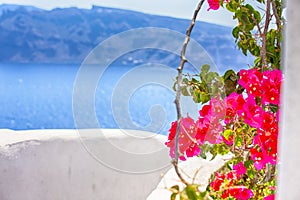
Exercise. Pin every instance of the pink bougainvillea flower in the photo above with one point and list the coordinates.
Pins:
(259, 158)
(240, 168)
(254, 88)
(231, 177)
(172, 133)
(276, 77)
(271, 85)
(239, 193)
(228, 180)
(219, 179)
(244, 77)
(202, 127)
(252, 113)
(243, 194)
(192, 150)
(205, 111)
(262, 157)
(208, 124)
(270, 197)
(271, 96)
(233, 103)
(273, 78)
(249, 76)
(228, 141)
(213, 4)
(263, 139)
(217, 108)
(240, 101)
(208, 130)
(251, 80)
(272, 188)
(230, 102)
(269, 121)
(225, 194)
(212, 115)
(267, 139)
(213, 135)
(187, 143)
(171, 140)
(273, 155)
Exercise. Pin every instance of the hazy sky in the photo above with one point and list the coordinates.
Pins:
(174, 8)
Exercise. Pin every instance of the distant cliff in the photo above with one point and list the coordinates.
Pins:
(29, 34)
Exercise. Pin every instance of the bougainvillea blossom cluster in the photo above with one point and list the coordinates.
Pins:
(265, 85)
(257, 108)
(229, 186)
(215, 4)
(194, 133)
(208, 127)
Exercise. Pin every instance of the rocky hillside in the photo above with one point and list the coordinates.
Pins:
(32, 35)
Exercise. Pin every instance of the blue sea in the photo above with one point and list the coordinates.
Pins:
(52, 96)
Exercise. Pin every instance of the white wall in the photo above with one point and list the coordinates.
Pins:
(85, 165)
(289, 173)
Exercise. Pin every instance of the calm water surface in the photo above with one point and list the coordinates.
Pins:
(39, 96)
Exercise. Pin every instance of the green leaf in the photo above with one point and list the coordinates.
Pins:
(229, 86)
(250, 8)
(205, 148)
(205, 98)
(230, 74)
(191, 192)
(185, 91)
(210, 76)
(215, 90)
(251, 173)
(223, 148)
(202, 76)
(195, 81)
(257, 16)
(220, 149)
(257, 61)
(185, 80)
(248, 163)
(202, 195)
(274, 108)
(205, 68)
(228, 133)
(183, 196)
(235, 32)
(238, 141)
(214, 152)
(173, 196)
(175, 86)
(203, 155)
(231, 6)
(203, 87)
(197, 96)
(175, 188)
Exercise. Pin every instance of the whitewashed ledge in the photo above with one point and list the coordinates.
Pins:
(194, 170)
(96, 164)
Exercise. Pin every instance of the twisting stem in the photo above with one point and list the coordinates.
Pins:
(257, 25)
(183, 60)
(277, 17)
(263, 52)
(278, 22)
